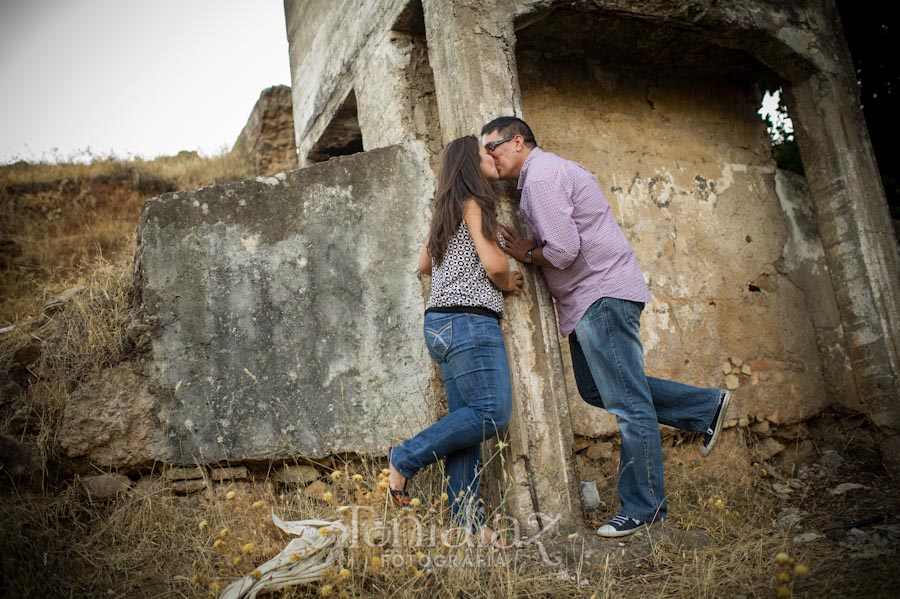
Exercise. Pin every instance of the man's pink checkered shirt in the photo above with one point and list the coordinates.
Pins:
(571, 220)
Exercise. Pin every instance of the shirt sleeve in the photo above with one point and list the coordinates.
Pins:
(550, 209)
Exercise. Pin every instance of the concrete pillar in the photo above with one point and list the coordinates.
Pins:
(472, 55)
(395, 94)
(859, 243)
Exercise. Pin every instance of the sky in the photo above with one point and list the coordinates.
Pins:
(82, 78)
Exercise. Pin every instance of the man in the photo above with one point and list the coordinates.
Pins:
(600, 292)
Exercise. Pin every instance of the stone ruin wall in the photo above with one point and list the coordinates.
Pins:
(685, 163)
(267, 140)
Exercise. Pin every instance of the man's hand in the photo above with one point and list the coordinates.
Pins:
(516, 245)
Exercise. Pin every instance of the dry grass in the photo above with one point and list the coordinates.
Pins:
(62, 217)
(153, 544)
(75, 225)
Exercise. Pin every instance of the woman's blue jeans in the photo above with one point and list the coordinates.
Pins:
(469, 349)
(608, 360)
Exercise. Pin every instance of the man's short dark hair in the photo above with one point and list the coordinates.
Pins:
(507, 126)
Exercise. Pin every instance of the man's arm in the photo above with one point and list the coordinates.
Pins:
(550, 210)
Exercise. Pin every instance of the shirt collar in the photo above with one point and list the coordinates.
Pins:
(535, 151)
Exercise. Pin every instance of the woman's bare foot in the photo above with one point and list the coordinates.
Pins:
(397, 484)
(492, 538)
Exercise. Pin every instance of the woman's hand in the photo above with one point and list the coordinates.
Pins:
(516, 283)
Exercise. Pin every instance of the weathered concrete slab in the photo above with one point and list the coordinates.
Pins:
(286, 310)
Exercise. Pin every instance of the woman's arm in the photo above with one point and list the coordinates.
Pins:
(424, 258)
(489, 253)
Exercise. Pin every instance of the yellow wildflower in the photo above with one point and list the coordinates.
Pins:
(357, 478)
(214, 587)
(782, 558)
(203, 525)
(385, 472)
(783, 592)
(223, 533)
(238, 560)
(218, 544)
(325, 590)
(414, 501)
(801, 571)
(375, 561)
(383, 484)
(256, 574)
(327, 496)
(783, 577)
(248, 548)
(336, 475)
(344, 573)
(258, 504)
(295, 557)
(230, 495)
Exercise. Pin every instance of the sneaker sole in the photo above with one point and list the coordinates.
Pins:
(705, 451)
(608, 532)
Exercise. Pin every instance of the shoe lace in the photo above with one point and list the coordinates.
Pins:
(619, 520)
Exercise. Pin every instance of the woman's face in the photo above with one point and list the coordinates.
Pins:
(488, 168)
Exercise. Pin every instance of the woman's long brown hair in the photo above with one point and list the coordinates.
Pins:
(460, 179)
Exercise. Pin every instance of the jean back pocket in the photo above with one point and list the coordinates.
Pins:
(438, 340)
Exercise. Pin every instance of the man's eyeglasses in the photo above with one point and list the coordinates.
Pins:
(492, 145)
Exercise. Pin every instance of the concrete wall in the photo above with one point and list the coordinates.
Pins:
(285, 310)
(331, 44)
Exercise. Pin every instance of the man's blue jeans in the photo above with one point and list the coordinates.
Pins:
(469, 349)
(608, 360)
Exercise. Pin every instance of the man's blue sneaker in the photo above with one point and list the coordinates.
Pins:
(715, 427)
(620, 526)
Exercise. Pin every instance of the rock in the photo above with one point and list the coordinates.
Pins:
(581, 443)
(761, 428)
(300, 474)
(745, 369)
(20, 460)
(845, 487)
(732, 382)
(768, 448)
(59, 302)
(790, 517)
(105, 487)
(282, 331)
(726, 367)
(590, 495)
(267, 140)
(807, 537)
(831, 459)
(782, 489)
(601, 450)
(113, 421)
(173, 474)
(233, 473)
(736, 361)
(791, 432)
(185, 487)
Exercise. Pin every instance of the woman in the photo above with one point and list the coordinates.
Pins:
(469, 275)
